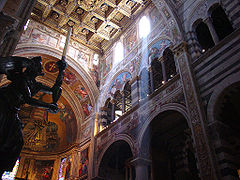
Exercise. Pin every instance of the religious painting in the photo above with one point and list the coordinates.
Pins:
(157, 49)
(52, 42)
(69, 78)
(43, 170)
(81, 92)
(68, 118)
(131, 40)
(166, 13)
(107, 65)
(119, 82)
(46, 132)
(155, 17)
(83, 170)
(87, 108)
(39, 37)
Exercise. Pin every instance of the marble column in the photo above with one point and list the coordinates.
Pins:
(141, 166)
(212, 30)
(164, 70)
(193, 45)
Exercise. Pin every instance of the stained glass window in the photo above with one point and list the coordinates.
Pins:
(11, 175)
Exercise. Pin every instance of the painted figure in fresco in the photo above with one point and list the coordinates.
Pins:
(22, 73)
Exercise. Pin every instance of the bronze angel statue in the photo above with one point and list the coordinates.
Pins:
(22, 73)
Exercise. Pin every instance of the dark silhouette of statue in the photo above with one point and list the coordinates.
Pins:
(22, 73)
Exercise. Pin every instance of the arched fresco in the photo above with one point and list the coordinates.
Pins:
(46, 132)
(119, 82)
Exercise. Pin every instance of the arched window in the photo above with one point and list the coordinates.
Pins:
(204, 36)
(144, 27)
(221, 23)
(118, 53)
(145, 85)
(118, 105)
(157, 76)
(170, 67)
(127, 97)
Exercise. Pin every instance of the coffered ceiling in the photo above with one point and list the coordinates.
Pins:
(95, 22)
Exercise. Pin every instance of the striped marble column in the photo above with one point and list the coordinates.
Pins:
(194, 47)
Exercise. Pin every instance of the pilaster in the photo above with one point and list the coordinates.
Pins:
(197, 123)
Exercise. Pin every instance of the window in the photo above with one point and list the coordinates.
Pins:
(118, 106)
(118, 53)
(26, 25)
(169, 63)
(221, 23)
(204, 36)
(157, 76)
(144, 27)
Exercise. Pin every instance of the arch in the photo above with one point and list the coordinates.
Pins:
(33, 49)
(220, 21)
(119, 137)
(204, 36)
(170, 64)
(217, 92)
(168, 107)
(200, 11)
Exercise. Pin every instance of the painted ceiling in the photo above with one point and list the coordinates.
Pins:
(95, 22)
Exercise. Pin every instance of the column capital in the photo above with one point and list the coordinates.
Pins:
(134, 79)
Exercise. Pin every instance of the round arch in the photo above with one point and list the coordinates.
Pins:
(169, 107)
(120, 137)
(217, 92)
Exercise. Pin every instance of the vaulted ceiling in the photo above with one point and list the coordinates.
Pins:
(95, 22)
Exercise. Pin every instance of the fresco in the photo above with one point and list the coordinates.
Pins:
(73, 82)
(69, 78)
(87, 108)
(155, 17)
(81, 92)
(65, 168)
(46, 132)
(83, 170)
(156, 50)
(131, 40)
(42, 170)
(107, 65)
(51, 67)
(119, 82)
(39, 34)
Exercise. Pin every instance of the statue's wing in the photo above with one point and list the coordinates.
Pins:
(14, 63)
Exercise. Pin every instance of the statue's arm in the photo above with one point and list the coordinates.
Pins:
(49, 106)
(43, 88)
(37, 103)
